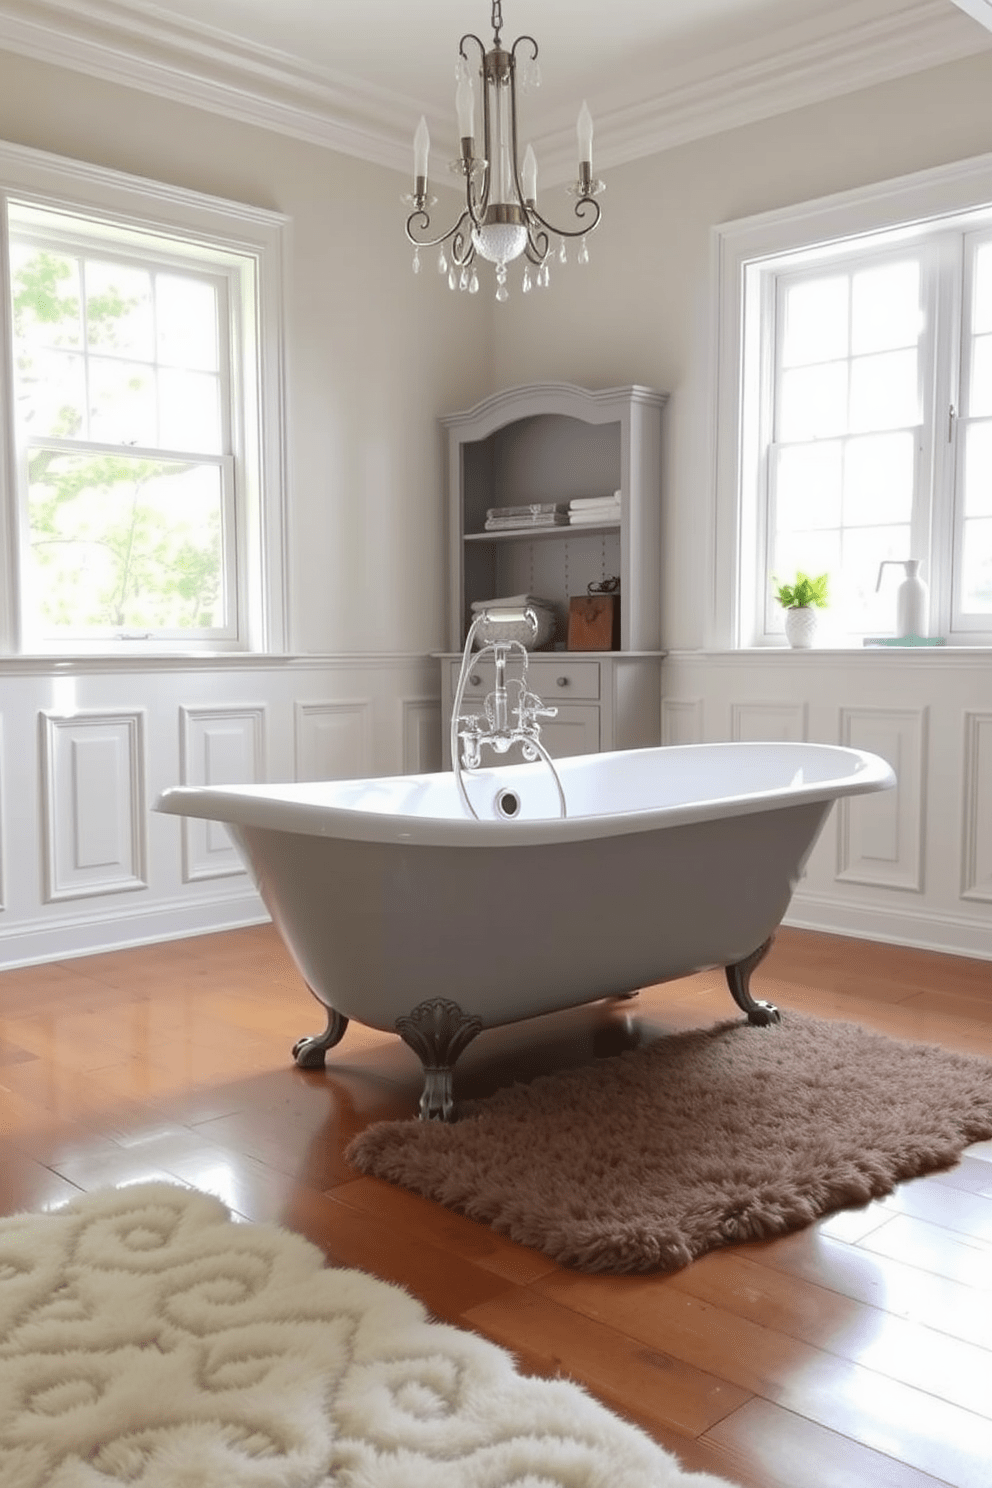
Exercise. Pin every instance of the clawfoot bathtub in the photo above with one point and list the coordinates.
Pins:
(406, 914)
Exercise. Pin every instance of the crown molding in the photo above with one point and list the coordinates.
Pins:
(140, 46)
(980, 10)
(191, 63)
(839, 54)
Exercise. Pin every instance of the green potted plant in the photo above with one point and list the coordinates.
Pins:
(801, 600)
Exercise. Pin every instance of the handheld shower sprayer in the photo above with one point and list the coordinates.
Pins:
(502, 725)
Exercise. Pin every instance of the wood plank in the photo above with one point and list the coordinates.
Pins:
(936, 1436)
(788, 1450)
(854, 1351)
(644, 1383)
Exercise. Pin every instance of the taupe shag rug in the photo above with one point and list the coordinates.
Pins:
(648, 1159)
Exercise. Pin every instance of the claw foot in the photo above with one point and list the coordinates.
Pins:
(310, 1050)
(761, 1014)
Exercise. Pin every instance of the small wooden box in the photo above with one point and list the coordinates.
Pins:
(594, 623)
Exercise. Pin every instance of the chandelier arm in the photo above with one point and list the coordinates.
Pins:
(424, 225)
(534, 250)
(534, 47)
(580, 207)
(462, 247)
(471, 36)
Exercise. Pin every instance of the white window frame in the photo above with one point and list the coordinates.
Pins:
(905, 209)
(245, 244)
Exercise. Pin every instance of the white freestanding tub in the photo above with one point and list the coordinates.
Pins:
(406, 914)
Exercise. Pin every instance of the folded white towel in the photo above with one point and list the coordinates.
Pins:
(509, 602)
(588, 503)
(590, 519)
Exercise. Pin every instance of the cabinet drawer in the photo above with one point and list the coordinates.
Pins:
(557, 679)
(551, 675)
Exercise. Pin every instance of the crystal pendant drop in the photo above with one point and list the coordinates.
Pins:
(416, 260)
(473, 283)
(562, 254)
(583, 254)
(442, 262)
(463, 279)
(527, 284)
(452, 279)
(543, 275)
(502, 293)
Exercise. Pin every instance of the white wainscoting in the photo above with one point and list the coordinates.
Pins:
(86, 747)
(976, 826)
(913, 865)
(333, 739)
(93, 804)
(217, 746)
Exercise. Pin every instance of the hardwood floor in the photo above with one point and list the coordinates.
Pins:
(857, 1351)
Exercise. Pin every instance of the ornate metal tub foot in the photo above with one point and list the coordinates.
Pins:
(437, 1031)
(309, 1051)
(739, 979)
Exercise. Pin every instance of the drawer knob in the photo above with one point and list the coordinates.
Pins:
(475, 680)
(562, 681)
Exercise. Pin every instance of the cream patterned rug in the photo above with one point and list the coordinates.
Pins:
(147, 1340)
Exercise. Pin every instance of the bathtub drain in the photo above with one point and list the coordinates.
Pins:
(508, 803)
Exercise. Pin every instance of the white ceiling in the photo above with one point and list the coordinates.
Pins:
(356, 74)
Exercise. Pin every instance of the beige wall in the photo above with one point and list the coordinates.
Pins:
(640, 311)
(373, 354)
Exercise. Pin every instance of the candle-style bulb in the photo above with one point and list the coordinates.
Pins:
(465, 101)
(584, 132)
(421, 150)
(528, 175)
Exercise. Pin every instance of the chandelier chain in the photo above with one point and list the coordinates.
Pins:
(497, 20)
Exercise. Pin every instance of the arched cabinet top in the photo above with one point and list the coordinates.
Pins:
(592, 406)
(552, 443)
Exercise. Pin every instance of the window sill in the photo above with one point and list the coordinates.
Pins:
(929, 656)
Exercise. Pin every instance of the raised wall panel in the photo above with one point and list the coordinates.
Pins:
(218, 746)
(752, 722)
(421, 736)
(333, 740)
(94, 799)
(681, 720)
(976, 838)
(881, 835)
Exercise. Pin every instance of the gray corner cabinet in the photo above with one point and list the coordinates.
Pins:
(554, 442)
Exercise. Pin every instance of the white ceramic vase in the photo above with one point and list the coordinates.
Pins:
(800, 626)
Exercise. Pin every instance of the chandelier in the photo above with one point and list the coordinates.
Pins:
(500, 220)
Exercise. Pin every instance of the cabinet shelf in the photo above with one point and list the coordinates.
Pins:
(541, 534)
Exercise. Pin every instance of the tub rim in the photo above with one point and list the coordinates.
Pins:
(261, 806)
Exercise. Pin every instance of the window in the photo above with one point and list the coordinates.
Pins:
(145, 501)
(862, 410)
